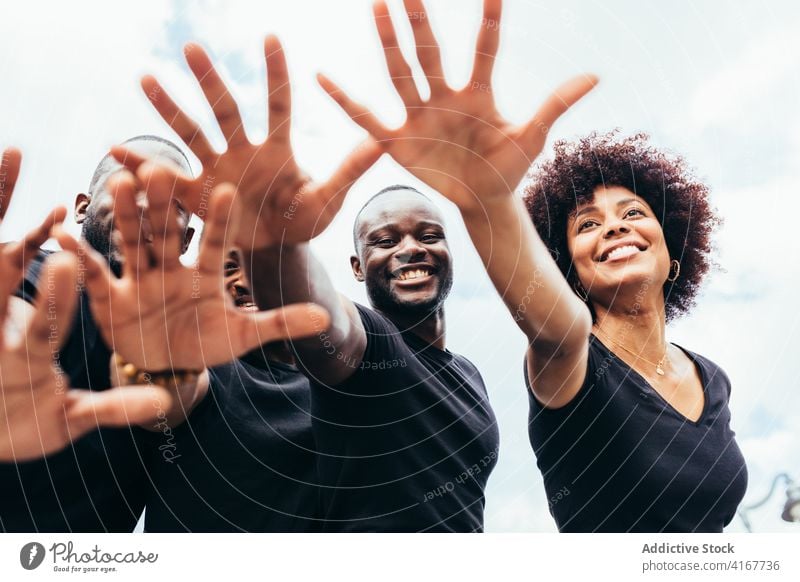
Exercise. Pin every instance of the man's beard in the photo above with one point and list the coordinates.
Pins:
(386, 301)
(99, 238)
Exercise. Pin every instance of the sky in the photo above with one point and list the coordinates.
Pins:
(717, 83)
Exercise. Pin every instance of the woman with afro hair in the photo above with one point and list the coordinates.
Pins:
(631, 432)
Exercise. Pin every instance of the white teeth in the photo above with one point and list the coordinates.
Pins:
(413, 274)
(622, 252)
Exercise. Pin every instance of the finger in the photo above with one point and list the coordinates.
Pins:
(183, 125)
(128, 220)
(87, 410)
(55, 304)
(569, 93)
(222, 102)
(358, 113)
(213, 245)
(9, 172)
(133, 161)
(19, 253)
(279, 90)
(399, 70)
(93, 268)
(290, 322)
(351, 169)
(427, 48)
(162, 214)
(127, 157)
(488, 42)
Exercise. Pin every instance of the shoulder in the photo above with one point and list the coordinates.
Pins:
(374, 320)
(381, 332)
(713, 374)
(600, 366)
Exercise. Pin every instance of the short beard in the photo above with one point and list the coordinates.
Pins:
(99, 239)
(385, 301)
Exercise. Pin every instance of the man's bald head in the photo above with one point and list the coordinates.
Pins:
(94, 210)
(152, 147)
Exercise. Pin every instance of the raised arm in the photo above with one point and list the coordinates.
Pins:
(279, 207)
(459, 144)
(168, 319)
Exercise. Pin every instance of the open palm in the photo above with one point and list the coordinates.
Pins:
(161, 315)
(276, 200)
(456, 141)
(39, 412)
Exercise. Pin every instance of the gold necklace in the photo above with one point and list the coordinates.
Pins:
(659, 365)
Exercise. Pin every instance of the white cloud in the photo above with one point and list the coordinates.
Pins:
(748, 83)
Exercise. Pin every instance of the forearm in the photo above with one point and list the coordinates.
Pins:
(185, 397)
(526, 276)
(291, 274)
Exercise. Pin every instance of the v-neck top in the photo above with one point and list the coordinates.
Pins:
(620, 458)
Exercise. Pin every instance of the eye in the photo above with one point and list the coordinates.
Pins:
(431, 238)
(634, 212)
(586, 223)
(231, 267)
(384, 243)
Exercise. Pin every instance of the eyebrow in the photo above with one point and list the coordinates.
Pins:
(393, 226)
(588, 209)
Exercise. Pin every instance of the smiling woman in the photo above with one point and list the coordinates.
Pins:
(636, 429)
(662, 182)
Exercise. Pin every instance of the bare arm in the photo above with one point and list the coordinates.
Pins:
(290, 273)
(555, 321)
(278, 209)
(459, 144)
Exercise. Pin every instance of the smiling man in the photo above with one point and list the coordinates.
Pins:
(406, 436)
(416, 285)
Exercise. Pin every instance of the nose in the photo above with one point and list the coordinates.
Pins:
(411, 250)
(240, 289)
(616, 227)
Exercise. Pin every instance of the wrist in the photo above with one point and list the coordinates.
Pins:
(488, 209)
(172, 378)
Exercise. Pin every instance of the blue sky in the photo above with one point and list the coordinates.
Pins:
(715, 82)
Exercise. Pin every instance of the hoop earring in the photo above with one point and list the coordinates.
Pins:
(581, 292)
(674, 265)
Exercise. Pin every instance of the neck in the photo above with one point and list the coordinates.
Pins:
(640, 326)
(431, 328)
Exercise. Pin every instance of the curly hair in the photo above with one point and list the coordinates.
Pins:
(664, 181)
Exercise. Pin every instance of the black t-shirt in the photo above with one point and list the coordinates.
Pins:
(244, 460)
(619, 458)
(95, 484)
(408, 441)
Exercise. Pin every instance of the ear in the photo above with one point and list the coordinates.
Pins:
(82, 202)
(355, 264)
(187, 239)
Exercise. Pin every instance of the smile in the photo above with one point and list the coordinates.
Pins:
(415, 274)
(620, 253)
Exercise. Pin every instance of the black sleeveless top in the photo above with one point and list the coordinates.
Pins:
(620, 458)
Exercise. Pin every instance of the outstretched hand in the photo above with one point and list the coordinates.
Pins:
(39, 412)
(15, 256)
(161, 315)
(276, 201)
(456, 141)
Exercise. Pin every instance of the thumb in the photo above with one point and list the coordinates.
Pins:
(88, 410)
(555, 105)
